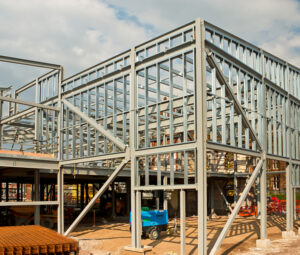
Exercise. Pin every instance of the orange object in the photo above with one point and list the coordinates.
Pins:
(34, 240)
(247, 211)
(31, 154)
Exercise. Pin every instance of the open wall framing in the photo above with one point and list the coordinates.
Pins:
(164, 109)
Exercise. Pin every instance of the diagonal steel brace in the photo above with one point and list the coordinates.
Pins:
(238, 107)
(96, 125)
(236, 208)
(97, 195)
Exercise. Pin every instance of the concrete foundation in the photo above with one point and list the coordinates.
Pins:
(288, 234)
(143, 249)
(263, 243)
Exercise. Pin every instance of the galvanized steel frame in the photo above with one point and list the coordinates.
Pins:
(193, 89)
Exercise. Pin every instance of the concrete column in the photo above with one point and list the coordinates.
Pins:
(37, 196)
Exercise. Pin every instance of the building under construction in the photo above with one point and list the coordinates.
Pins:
(196, 115)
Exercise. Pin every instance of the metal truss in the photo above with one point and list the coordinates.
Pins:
(162, 108)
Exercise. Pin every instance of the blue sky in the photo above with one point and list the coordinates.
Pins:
(78, 34)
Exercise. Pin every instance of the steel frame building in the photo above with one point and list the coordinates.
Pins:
(191, 92)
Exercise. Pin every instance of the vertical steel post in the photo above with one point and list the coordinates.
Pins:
(60, 176)
(138, 219)
(263, 177)
(288, 183)
(212, 195)
(60, 196)
(37, 196)
(113, 198)
(182, 221)
(165, 182)
(263, 201)
(36, 117)
(135, 238)
(200, 94)
(289, 204)
(235, 181)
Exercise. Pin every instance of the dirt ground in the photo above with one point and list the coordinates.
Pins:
(111, 238)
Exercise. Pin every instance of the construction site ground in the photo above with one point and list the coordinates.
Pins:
(111, 237)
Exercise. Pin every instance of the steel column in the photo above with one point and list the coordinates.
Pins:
(37, 196)
(200, 94)
(182, 221)
(60, 197)
(132, 140)
(289, 203)
(264, 141)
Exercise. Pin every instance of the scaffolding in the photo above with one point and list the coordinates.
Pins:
(168, 111)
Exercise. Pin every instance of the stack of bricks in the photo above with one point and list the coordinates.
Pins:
(23, 240)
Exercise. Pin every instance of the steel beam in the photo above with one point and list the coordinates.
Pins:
(167, 187)
(32, 203)
(97, 195)
(236, 208)
(20, 115)
(29, 62)
(93, 158)
(25, 162)
(96, 125)
(18, 101)
(227, 148)
(166, 149)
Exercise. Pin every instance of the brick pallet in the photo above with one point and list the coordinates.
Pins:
(23, 240)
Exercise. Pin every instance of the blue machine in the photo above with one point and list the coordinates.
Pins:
(153, 222)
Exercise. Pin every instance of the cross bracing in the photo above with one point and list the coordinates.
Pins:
(170, 105)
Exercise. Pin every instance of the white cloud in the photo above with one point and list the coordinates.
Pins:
(75, 34)
(80, 33)
(264, 23)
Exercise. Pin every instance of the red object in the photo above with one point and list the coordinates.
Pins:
(246, 211)
(275, 206)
